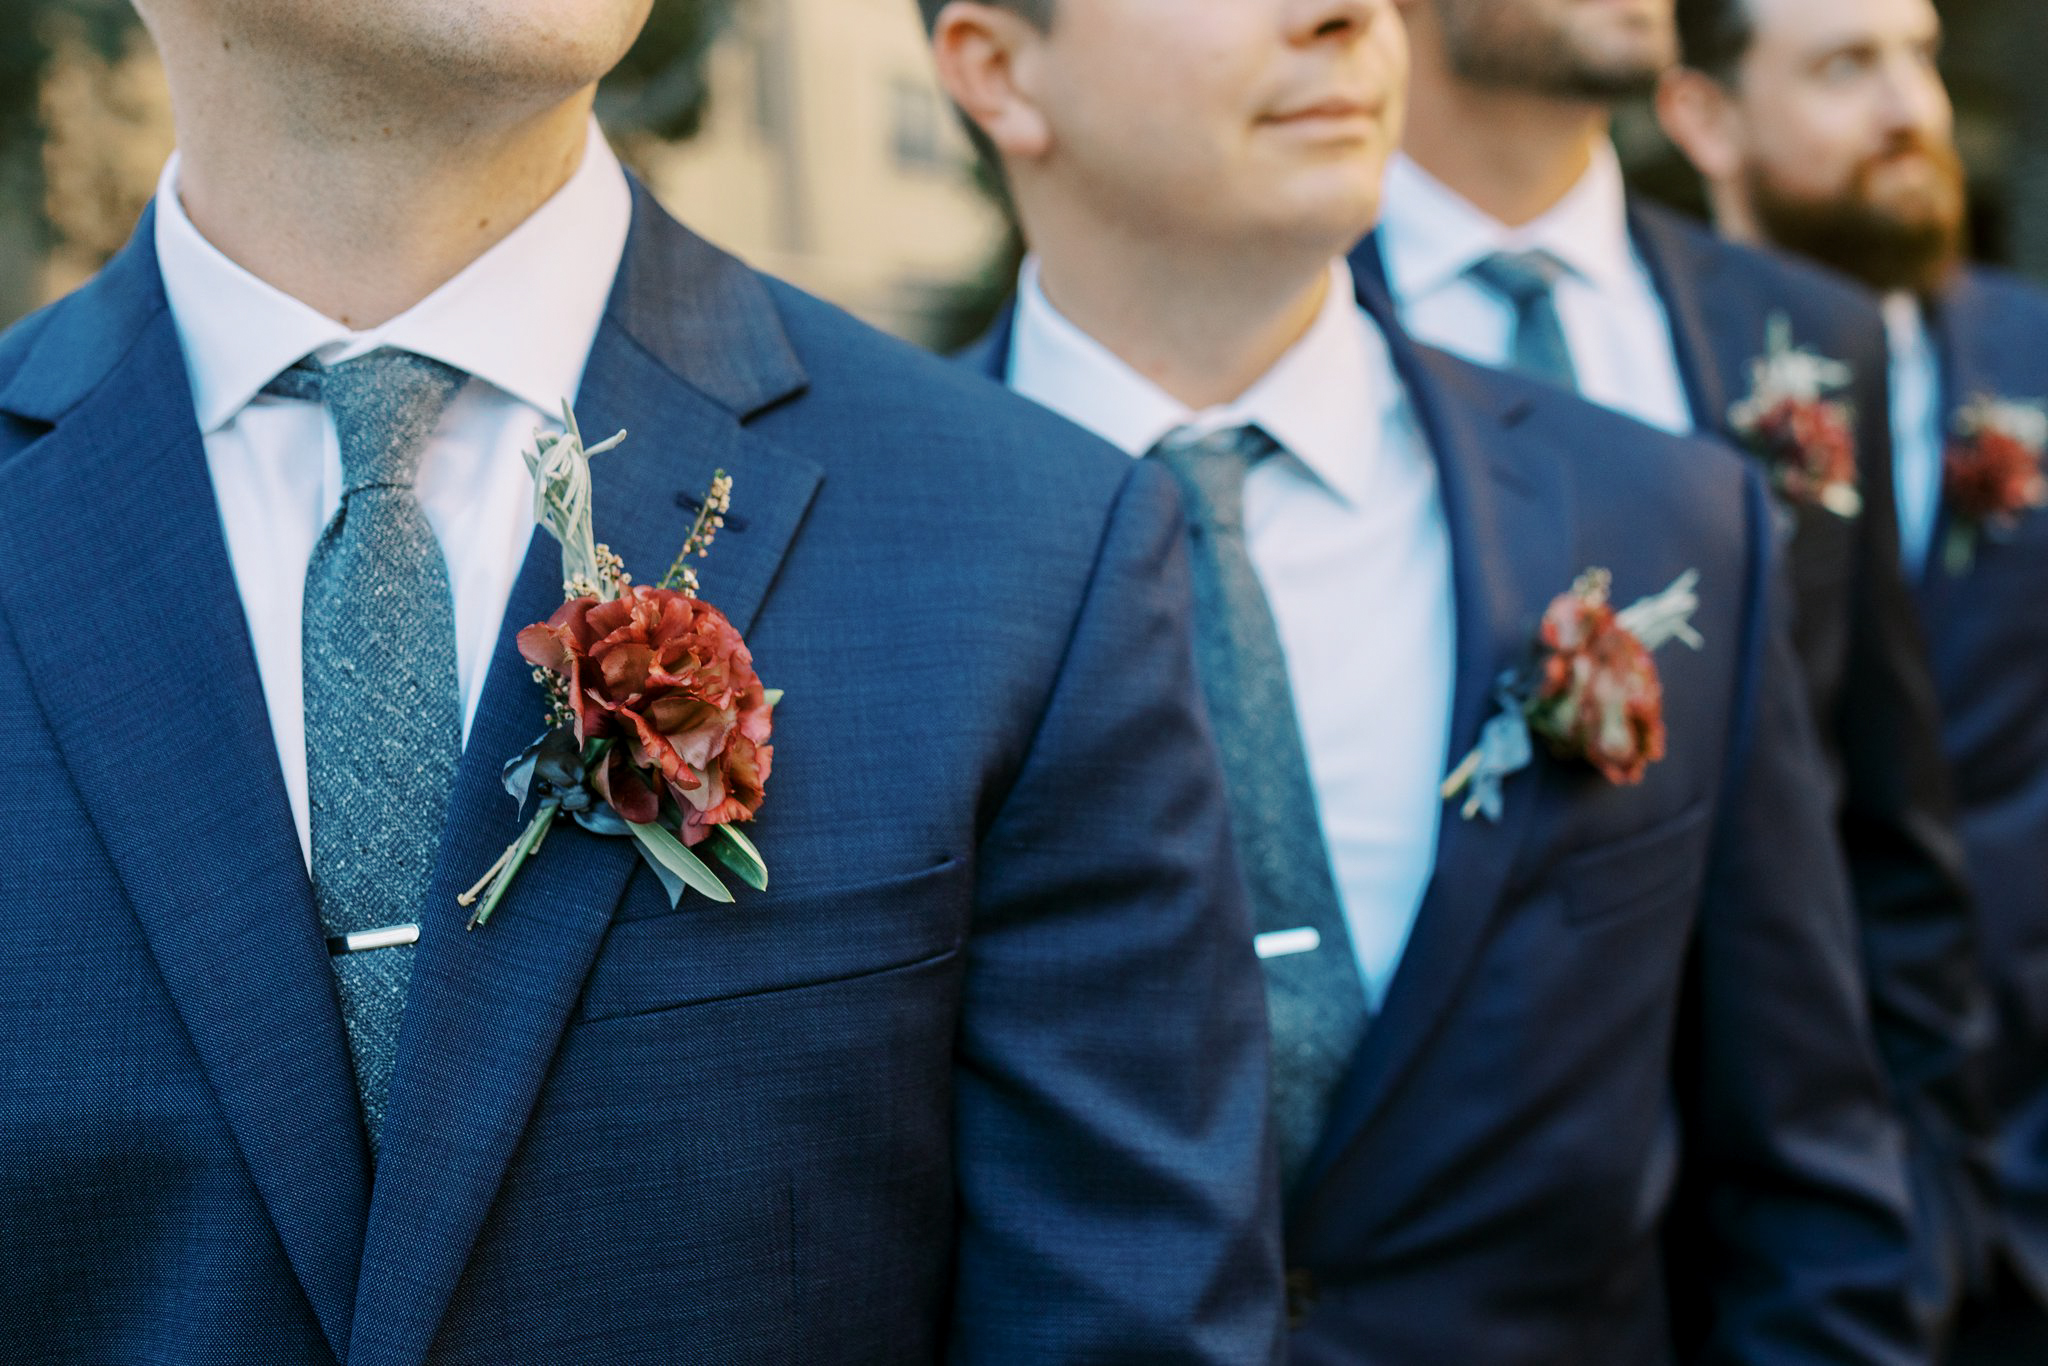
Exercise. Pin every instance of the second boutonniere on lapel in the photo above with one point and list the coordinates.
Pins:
(1991, 474)
(1796, 423)
(658, 727)
(1593, 692)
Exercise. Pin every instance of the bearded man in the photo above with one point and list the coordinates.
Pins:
(1823, 127)
(1510, 238)
(1503, 1015)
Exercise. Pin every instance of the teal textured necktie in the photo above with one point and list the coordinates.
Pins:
(1527, 282)
(1315, 1000)
(383, 702)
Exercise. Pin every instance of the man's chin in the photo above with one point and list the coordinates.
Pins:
(1885, 250)
(1622, 62)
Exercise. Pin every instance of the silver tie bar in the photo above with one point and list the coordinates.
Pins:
(390, 937)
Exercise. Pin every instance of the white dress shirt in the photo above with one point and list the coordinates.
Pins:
(520, 320)
(1346, 532)
(1614, 321)
(1918, 428)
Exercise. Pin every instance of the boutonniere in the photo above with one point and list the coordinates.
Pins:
(1795, 423)
(1593, 692)
(658, 726)
(1991, 473)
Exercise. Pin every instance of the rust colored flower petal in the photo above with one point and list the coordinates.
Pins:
(546, 645)
(667, 676)
(627, 789)
(624, 667)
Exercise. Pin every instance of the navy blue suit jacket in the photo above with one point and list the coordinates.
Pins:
(1863, 661)
(1610, 978)
(981, 1076)
(1988, 629)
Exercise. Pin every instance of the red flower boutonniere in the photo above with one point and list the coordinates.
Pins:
(1992, 473)
(658, 725)
(1793, 422)
(1593, 694)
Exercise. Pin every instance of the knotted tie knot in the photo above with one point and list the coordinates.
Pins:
(1211, 468)
(385, 406)
(1527, 281)
(1521, 277)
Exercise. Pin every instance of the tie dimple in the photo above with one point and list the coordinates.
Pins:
(383, 707)
(1316, 1001)
(1527, 282)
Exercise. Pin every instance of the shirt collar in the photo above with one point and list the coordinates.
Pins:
(1326, 400)
(1430, 235)
(521, 317)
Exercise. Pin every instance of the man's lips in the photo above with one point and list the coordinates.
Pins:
(1333, 110)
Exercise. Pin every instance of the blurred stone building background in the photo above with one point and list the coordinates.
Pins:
(808, 137)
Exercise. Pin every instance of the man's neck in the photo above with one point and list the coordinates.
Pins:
(362, 217)
(1513, 156)
(1201, 331)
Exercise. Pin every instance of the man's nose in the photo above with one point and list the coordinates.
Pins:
(1308, 21)
(1915, 100)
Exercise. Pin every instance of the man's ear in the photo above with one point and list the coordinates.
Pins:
(1700, 114)
(986, 57)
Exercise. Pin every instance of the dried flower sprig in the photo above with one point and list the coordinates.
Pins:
(710, 521)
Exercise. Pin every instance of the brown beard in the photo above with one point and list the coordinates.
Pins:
(1497, 44)
(1886, 247)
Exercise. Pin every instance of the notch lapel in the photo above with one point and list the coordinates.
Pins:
(1511, 529)
(1687, 281)
(155, 702)
(690, 347)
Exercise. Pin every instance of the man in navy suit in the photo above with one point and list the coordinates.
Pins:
(980, 1076)
(1511, 239)
(1823, 127)
(1497, 1027)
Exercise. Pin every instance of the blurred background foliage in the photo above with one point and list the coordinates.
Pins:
(78, 71)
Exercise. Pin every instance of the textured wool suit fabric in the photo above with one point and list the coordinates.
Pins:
(984, 1073)
(1863, 660)
(1988, 630)
(1609, 975)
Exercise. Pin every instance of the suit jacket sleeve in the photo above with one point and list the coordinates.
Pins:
(1798, 1158)
(1930, 1008)
(1117, 1195)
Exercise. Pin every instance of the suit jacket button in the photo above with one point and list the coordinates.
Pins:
(1301, 1295)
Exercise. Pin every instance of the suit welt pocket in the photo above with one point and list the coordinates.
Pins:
(780, 942)
(1655, 867)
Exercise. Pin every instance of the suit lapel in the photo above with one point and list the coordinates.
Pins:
(156, 704)
(1511, 533)
(690, 347)
(990, 354)
(1687, 280)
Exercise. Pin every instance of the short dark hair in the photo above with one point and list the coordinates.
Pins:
(1714, 35)
(1039, 12)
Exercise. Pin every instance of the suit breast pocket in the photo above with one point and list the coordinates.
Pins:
(1662, 866)
(700, 952)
